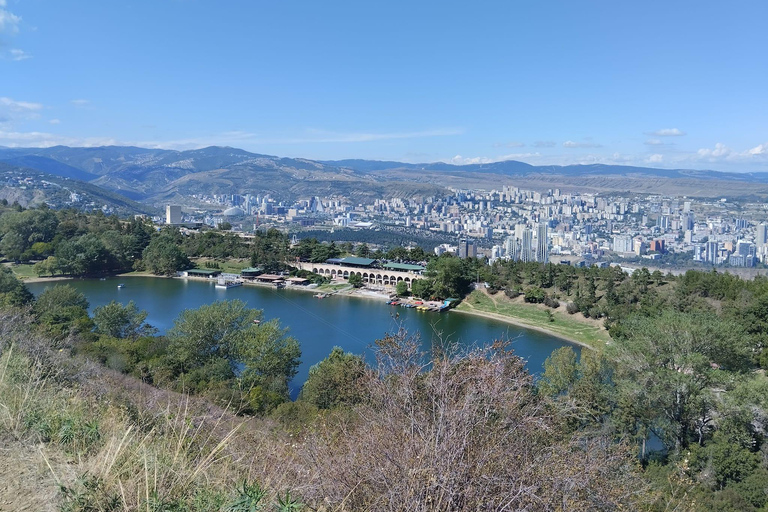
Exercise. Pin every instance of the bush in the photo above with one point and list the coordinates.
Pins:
(572, 308)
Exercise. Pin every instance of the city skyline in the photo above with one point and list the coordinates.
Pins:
(650, 84)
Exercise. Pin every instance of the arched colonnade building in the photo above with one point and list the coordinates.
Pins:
(369, 274)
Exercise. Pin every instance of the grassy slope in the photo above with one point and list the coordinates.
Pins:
(528, 315)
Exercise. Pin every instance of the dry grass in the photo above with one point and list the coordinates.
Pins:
(468, 434)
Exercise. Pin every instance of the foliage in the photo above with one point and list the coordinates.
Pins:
(120, 321)
(62, 311)
(163, 255)
(356, 280)
(12, 291)
(334, 381)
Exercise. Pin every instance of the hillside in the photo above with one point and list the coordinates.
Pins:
(28, 186)
(156, 176)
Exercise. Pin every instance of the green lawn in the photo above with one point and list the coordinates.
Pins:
(228, 266)
(564, 324)
(23, 270)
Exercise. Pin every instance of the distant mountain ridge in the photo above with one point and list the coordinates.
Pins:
(159, 175)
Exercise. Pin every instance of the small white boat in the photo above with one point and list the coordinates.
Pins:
(226, 284)
(121, 285)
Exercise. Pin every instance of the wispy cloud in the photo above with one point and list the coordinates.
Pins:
(571, 144)
(460, 160)
(655, 159)
(315, 135)
(657, 142)
(44, 140)
(13, 110)
(544, 144)
(667, 132)
(9, 22)
(509, 145)
(54, 121)
(19, 106)
(80, 102)
(17, 55)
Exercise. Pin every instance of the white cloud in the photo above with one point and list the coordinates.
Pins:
(326, 136)
(460, 160)
(656, 158)
(12, 110)
(17, 55)
(80, 102)
(654, 142)
(54, 121)
(509, 145)
(571, 144)
(9, 22)
(720, 151)
(762, 149)
(667, 132)
(544, 144)
(44, 140)
(19, 106)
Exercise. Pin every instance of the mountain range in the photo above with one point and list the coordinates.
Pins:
(158, 176)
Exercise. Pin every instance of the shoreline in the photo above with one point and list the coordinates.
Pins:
(359, 293)
(525, 325)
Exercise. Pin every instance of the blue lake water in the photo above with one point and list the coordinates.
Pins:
(318, 324)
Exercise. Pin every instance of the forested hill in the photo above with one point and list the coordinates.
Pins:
(156, 175)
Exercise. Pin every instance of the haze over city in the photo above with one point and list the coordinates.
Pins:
(675, 85)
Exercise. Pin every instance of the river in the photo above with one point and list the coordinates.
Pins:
(318, 324)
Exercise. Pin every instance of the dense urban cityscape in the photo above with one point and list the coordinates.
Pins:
(528, 225)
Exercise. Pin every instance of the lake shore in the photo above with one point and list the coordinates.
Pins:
(525, 325)
(552, 321)
(360, 293)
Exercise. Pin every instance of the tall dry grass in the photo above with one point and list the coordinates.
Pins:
(449, 432)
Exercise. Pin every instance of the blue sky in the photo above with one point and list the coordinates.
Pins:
(667, 84)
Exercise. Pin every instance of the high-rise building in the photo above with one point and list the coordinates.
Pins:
(622, 244)
(526, 251)
(467, 249)
(713, 249)
(172, 214)
(760, 236)
(512, 248)
(542, 243)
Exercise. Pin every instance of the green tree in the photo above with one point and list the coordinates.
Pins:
(62, 310)
(209, 332)
(334, 381)
(163, 256)
(355, 280)
(560, 372)
(401, 288)
(12, 291)
(671, 363)
(120, 321)
(270, 359)
(422, 288)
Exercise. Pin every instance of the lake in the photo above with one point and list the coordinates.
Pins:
(318, 324)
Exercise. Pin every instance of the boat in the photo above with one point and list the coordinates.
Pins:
(121, 285)
(226, 284)
(321, 295)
